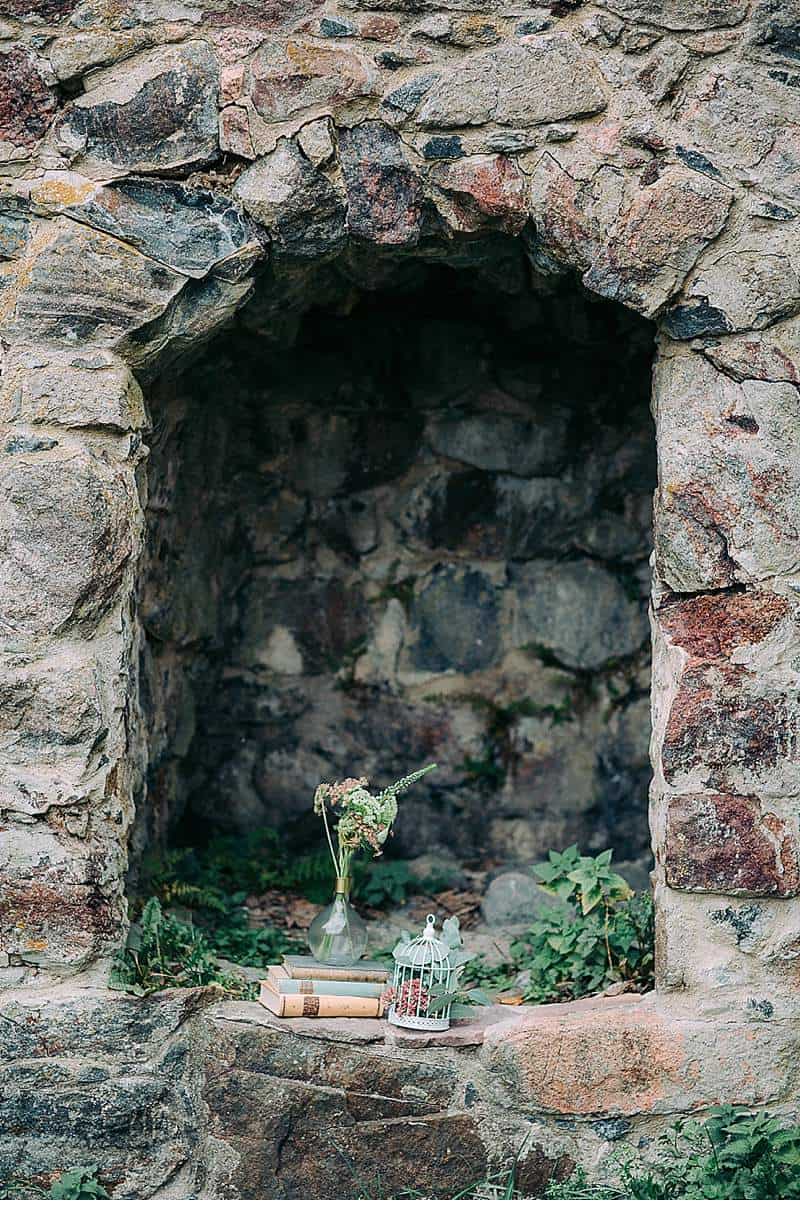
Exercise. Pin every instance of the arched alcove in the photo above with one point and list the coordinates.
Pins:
(408, 521)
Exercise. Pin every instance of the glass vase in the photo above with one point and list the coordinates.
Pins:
(338, 935)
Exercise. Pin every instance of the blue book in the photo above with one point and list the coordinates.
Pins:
(282, 984)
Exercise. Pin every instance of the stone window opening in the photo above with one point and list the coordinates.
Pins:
(408, 520)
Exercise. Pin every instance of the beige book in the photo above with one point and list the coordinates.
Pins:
(317, 1005)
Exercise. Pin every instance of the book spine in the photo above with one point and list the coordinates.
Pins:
(311, 972)
(326, 986)
(328, 1005)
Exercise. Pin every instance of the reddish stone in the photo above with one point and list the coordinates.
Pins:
(716, 723)
(561, 210)
(720, 843)
(50, 10)
(484, 188)
(533, 1173)
(306, 75)
(713, 625)
(379, 27)
(271, 15)
(602, 1056)
(27, 103)
(42, 917)
(385, 200)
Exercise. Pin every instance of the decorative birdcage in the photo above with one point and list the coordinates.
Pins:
(423, 978)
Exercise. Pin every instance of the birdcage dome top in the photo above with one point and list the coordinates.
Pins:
(424, 950)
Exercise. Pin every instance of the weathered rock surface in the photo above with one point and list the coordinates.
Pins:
(295, 202)
(66, 537)
(83, 287)
(578, 612)
(516, 84)
(726, 509)
(70, 390)
(27, 101)
(384, 196)
(191, 231)
(647, 146)
(153, 113)
(513, 897)
(176, 1098)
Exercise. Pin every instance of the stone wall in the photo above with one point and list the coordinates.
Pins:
(156, 159)
(419, 533)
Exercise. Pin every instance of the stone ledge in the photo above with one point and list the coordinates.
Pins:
(641, 1054)
(353, 1030)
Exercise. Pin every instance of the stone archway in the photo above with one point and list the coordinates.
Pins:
(634, 161)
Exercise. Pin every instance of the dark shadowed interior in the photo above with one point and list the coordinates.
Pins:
(408, 524)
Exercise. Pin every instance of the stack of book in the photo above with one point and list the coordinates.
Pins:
(302, 986)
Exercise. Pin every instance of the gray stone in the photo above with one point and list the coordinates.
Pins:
(513, 897)
(71, 391)
(522, 445)
(156, 111)
(299, 207)
(316, 142)
(680, 14)
(384, 196)
(189, 230)
(67, 533)
(458, 620)
(85, 287)
(578, 612)
(408, 96)
(751, 280)
(544, 80)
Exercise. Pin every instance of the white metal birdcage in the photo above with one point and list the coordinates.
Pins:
(423, 976)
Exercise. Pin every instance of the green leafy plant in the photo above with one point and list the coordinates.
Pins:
(597, 931)
(387, 884)
(76, 1184)
(733, 1154)
(162, 951)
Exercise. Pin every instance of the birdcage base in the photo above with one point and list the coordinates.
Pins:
(428, 1024)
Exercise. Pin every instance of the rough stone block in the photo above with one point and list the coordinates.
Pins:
(718, 842)
(27, 101)
(306, 1116)
(384, 196)
(67, 533)
(297, 204)
(72, 390)
(629, 1054)
(291, 79)
(658, 239)
(727, 509)
(80, 286)
(61, 926)
(546, 79)
(156, 111)
(750, 280)
(457, 613)
(680, 14)
(482, 192)
(191, 231)
(583, 616)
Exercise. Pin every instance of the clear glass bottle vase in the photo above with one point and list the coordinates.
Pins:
(338, 935)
